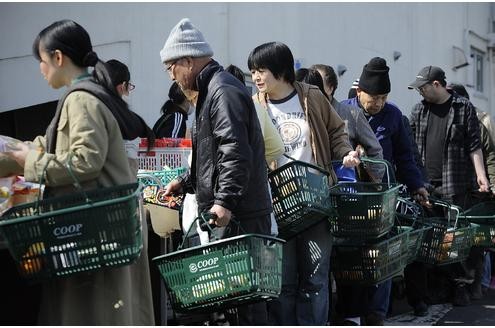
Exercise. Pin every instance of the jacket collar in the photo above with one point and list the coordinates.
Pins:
(302, 90)
(206, 74)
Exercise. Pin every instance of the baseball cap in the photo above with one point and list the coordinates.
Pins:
(426, 75)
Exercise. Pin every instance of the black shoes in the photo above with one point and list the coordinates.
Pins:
(420, 309)
(475, 291)
(373, 319)
(461, 296)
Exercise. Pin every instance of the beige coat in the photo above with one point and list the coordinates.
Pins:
(119, 296)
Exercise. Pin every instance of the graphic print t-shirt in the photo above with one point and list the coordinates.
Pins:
(289, 118)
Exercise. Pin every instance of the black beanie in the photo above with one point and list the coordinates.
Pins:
(374, 79)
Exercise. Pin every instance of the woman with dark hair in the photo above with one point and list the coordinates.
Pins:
(314, 133)
(172, 123)
(86, 130)
(121, 81)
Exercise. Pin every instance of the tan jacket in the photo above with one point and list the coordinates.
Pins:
(117, 296)
(329, 141)
(87, 129)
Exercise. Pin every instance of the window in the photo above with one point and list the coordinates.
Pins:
(478, 62)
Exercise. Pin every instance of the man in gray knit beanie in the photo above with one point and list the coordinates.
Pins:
(228, 171)
(185, 40)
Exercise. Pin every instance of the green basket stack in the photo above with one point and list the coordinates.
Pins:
(483, 214)
(416, 230)
(409, 217)
(370, 262)
(449, 240)
(223, 274)
(364, 210)
(300, 197)
(80, 232)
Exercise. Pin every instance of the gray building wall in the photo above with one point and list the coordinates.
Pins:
(331, 33)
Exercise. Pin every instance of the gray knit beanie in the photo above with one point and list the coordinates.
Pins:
(185, 40)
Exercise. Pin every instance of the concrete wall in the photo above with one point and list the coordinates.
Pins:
(332, 33)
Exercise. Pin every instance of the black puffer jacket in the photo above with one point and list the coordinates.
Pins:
(228, 166)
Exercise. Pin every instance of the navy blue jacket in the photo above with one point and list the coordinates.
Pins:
(390, 131)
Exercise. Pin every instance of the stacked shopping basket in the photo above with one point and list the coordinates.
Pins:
(368, 248)
(450, 238)
(483, 215)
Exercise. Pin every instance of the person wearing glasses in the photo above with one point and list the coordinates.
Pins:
(120, 77)
(447, 132)
(87, 130)
(228, 172)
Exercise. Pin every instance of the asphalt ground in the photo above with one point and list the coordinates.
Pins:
(478, 313)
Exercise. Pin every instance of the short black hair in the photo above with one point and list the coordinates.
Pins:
(237, 72)
(276, 57)
(311, 76)
(329, 77)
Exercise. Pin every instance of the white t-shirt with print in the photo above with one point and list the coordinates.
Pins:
(290, 120)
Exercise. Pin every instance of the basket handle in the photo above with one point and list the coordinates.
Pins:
(68, 166)
(206, 226)
(412, 205)
(379, 161)
(152, 177)
(315, 167)
(440, 202)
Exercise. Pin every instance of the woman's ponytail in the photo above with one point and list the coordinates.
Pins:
(90, 59)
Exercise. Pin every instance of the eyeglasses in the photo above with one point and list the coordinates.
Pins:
(129, 86)
(423, 87)
(171, 65)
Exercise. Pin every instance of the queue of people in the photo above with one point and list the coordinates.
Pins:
(235, 137)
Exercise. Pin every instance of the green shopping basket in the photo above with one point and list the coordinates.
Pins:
(300, 197)
(483, 214)
(223, 274)
(363, 209)
(80, 232)
(409, 217)
(370, 262)
(449, 241)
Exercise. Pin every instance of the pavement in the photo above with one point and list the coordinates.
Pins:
(479, 313)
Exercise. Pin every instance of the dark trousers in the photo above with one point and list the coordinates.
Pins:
(352, 300)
